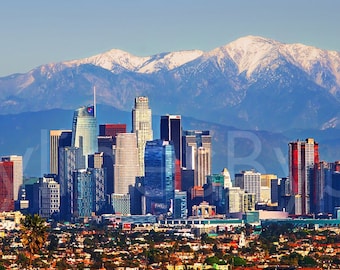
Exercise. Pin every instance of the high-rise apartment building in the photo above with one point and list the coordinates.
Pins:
(197, 154)
(159, 189)
(126, 166)
(249, 181)
(142, 127)
(17, 173)
(303, 155)
(6, 186)
(84, 131)
(58, 138)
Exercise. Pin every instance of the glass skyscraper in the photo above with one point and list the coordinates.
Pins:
(84, 130)
(159, 189)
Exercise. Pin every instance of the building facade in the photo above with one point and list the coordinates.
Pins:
(302, 157)
(6, 186)
(49, 196)
(84, 131)
(142, 127)
(171, 130)
(159, 186)
(249, 181)
(70, 159)
(58, 138)
(197, 154)
(17, 173)
(126, 167)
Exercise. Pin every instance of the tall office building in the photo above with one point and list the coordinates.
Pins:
(82, 194)
(126, 166)
(104, 162)
(6, 186)
(159, 189)
(49, 196)
(303, 155)
(142, 126)
(70, 159)
(197, 154)
(17, 173)
(171, 130)
(84, 131)
(58, 138)
(250, 181)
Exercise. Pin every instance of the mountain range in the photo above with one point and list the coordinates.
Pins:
(273, 90)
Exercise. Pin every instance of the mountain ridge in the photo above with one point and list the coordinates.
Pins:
(239, 84)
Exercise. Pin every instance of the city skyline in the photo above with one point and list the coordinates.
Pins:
(149, 28)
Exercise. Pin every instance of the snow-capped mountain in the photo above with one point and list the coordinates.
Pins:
(118, 58)
(252, 82)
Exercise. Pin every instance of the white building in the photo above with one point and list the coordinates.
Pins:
(142, 127)
(250, 181)
(126, 166)
(49, 196)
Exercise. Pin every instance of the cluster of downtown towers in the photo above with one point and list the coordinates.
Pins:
(127, 173)
(133, 173)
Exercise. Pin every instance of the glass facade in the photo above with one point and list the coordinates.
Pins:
(84, 131)
(83, 196)
(159, 177)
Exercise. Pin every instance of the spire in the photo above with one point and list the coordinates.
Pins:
(94, 101)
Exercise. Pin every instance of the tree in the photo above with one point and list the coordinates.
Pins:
(33, 234)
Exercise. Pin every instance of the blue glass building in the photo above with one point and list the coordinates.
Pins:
(159, 192)
(84, 130)
(69, 160)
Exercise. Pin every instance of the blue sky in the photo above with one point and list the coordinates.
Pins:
(39, 32)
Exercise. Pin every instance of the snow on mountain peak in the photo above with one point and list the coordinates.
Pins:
(148, 64)
(252, 52)
(170, 60)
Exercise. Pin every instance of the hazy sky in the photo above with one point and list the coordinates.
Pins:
(38, 32)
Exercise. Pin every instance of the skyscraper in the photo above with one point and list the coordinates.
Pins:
(142, 126)
(197, 154)
(84, 130)
(159, 189)
(17, 173)
(171, 130)
(303, 155)
(70, 159)
(126, 166)
(58, 138)
(6, 186)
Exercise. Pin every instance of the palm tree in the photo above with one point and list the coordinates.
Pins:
(33, 234)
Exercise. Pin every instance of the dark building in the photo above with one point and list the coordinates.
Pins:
(111, 129)
(171, 130)
(159, 177)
